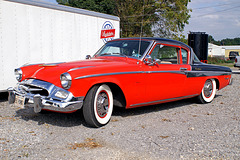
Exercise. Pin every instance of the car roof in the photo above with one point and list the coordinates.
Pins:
(158, 40)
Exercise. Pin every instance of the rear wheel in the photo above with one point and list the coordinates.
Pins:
(208, 91)
(98, 105)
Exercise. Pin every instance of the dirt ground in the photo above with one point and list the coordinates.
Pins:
(176, 130)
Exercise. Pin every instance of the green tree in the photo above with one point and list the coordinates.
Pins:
(228, 41)
(137, 17)
(172, 17)
(103, 6)
(162, 18)
(223, 42)
(211, 39)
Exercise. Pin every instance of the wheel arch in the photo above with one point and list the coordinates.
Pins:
(209, 89)
(119, 99)
(217, 83)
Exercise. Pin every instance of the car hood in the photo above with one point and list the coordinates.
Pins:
(51, 72)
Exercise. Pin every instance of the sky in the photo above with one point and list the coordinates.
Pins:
(218, 18)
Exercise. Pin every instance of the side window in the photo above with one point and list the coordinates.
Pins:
(184, 56)
(167, 54)
(155, 52)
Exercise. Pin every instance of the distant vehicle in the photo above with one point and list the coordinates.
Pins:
(237, 62)
(233, 54)
(129, 73)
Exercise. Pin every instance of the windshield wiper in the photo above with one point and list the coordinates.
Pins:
(121, 54)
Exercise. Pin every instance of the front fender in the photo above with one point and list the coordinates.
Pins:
(82, 86)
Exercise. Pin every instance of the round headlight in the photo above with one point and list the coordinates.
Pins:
(66, 80)
(18, 74)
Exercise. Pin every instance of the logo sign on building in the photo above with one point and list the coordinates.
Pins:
(107, 32)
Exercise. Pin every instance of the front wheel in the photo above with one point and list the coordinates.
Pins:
(98, 106)
(208, 91)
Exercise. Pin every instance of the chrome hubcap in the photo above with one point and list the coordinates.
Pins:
(208, 88)
(102, 104)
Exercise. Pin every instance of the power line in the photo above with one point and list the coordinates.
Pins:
(215, 6)
(191, 8)
(141, 15)
(215, 12)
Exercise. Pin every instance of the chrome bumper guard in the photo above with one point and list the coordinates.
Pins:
(231, 81)
(50, 102)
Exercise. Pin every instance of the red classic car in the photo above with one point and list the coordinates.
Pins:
(128, 73)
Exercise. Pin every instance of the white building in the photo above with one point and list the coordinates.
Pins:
(215, 50)
(221, 51)
(229, 49)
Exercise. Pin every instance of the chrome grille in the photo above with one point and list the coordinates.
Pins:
(26, 88)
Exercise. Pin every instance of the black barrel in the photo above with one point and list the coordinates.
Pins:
(199, 42)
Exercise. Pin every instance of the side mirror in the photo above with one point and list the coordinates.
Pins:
(88, 57)
(149, 61)
(158, 61)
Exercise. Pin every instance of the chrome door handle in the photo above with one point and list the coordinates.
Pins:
(183, 69)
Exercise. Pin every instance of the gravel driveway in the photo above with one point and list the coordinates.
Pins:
(177, 130)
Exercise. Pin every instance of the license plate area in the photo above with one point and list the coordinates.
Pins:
(19, 101)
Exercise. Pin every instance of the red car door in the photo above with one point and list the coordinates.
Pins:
(165, 80)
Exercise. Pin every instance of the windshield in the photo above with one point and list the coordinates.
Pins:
(123, 48)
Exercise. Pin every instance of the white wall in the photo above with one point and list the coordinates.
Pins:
(214, 50)
(33, 34)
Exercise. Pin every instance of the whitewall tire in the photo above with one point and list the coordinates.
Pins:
(208, 91)
(98, 105)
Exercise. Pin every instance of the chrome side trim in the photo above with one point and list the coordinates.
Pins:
(163, 100)
(50, 64)
(205, 73)
(176, 72)
(189, 74)
(73, 69)
(108, 74)
(134, 72)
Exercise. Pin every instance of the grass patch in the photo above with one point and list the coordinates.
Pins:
(220, 61)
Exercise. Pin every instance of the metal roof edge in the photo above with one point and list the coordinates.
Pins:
(161, 40)
(231, 47)
(65, 8)
(158, 39)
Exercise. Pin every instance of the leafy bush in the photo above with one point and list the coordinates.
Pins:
(218, 60)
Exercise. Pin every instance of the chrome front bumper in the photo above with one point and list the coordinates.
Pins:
(44, 95)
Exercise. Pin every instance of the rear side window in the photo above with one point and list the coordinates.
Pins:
(167, 54)
(184, 56)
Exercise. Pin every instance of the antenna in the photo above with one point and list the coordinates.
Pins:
(140, 40)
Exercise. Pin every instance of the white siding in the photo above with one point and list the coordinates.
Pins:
(34, 34)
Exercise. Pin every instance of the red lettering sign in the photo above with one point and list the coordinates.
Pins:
(107, 33)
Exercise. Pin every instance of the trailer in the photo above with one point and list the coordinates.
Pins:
(34, 31)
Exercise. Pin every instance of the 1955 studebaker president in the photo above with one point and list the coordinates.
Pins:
(130, 72)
